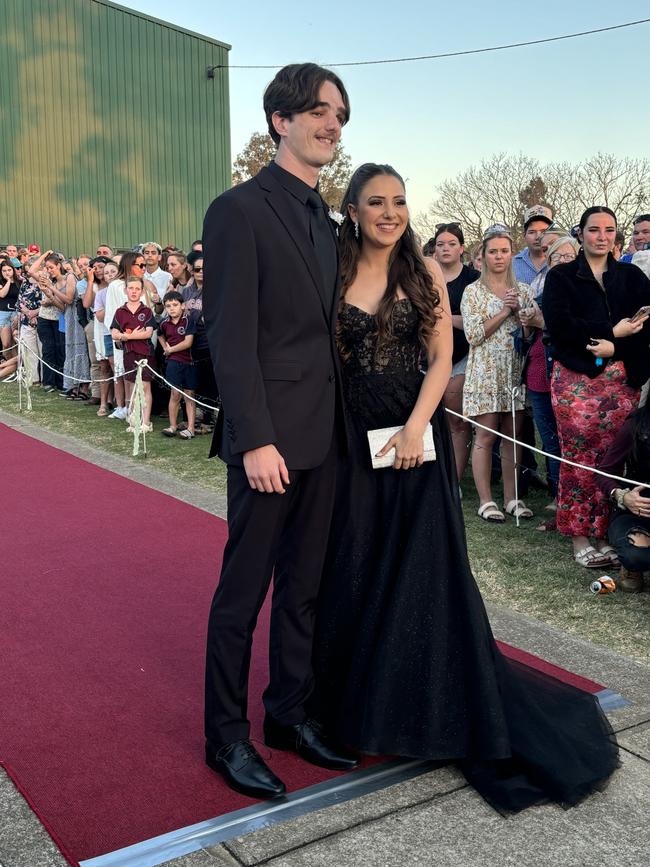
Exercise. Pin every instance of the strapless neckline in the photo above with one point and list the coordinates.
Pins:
(372, 315)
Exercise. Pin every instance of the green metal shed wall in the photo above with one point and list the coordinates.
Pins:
(111, 130)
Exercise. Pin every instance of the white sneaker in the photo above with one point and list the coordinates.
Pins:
(119, 412)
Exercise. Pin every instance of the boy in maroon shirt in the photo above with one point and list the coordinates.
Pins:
(133, 325)
(176, 335)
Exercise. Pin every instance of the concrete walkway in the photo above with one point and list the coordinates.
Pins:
(434, 820)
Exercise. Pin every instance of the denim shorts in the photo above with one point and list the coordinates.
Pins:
(108, 346)
(183, 376)
(6, 317)
(460, 367)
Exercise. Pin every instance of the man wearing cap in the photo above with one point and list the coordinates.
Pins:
(530, 261)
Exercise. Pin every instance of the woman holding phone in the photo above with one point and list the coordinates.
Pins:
(601, 360)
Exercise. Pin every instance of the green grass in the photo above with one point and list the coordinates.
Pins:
(185, 459)
(517, 568)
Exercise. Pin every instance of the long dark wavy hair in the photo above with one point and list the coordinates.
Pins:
(406, 268)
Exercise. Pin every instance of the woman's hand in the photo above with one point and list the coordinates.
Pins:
(636, 503)
(627, 327)
(601, 348)
(531, 317)
(511, 299)
(409, 449)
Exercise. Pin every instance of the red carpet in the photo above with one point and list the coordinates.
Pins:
(106, 590)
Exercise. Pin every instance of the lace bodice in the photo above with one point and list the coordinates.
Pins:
(358, 341)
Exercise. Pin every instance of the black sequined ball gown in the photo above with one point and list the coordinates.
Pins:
(405, 661)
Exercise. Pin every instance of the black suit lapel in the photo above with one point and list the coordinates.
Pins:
(276, 197)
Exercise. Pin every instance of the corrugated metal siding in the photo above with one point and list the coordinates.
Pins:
(111, 130)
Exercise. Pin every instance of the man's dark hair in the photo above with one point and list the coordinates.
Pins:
(295, 89)
(193, 256)
(429, 248)
(173, 295)
(642, 218)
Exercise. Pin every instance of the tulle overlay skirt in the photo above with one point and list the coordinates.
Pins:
(405, 661)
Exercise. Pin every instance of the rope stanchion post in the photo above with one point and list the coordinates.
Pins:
(515, 395)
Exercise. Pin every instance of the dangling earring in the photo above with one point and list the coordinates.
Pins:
(356, 231)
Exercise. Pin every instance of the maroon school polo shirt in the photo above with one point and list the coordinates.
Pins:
(175, 333)
(125, 321)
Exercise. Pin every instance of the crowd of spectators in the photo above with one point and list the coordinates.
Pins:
(556, 331)
(69, 312)
(556, 334)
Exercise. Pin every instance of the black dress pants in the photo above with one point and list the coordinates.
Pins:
(53, 343)
(283, 536)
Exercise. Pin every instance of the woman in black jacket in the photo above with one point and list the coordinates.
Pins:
(601, 360)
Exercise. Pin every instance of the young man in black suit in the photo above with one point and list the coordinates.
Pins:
(270, 302)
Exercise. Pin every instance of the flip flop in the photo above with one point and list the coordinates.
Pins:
(186, 434)
(169, 432)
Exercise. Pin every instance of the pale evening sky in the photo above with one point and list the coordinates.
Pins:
(432, 119)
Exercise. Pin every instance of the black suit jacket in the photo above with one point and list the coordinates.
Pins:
(270, 324)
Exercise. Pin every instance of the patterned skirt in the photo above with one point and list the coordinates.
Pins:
(589, 414)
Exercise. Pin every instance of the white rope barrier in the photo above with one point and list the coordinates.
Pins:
(515, 442)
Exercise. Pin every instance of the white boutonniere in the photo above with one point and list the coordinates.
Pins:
(336, 216)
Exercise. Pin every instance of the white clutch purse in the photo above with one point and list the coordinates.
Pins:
(379, 437)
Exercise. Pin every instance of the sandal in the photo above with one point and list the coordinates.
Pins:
(102, 411)
(490, 512)
(518, 509)
(591, 559)
(169, 432)
(547, 526)
(186, 434)
(610, 553)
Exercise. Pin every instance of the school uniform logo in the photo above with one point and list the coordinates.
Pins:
(141, 317)
(181, 329)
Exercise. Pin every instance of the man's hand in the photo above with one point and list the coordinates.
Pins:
(266, 470)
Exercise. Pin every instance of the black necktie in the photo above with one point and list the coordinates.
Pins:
(323, 241)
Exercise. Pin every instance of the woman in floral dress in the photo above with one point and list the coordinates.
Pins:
(601, 360)
(489, 309)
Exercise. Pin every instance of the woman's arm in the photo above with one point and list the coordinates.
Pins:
(89, 295)
(476, 328)
(34, 269)
(408, 442)
(4, 291)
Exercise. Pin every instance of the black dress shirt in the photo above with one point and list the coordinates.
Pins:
(310, 209)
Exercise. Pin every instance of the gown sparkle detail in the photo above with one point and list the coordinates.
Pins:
(405, 662)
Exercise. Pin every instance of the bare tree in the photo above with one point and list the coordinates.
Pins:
(502, 186)
(260, 150)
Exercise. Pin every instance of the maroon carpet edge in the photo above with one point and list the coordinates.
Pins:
(562, 674)
(33, 807)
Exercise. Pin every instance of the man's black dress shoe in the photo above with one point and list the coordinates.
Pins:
(310, 742)
(244, 770)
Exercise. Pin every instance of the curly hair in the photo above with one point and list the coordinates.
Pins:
(406, 268)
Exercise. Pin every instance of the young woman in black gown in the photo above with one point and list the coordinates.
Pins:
(405, 660)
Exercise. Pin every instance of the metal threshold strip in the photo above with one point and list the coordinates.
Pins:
(157, 850)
